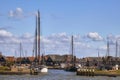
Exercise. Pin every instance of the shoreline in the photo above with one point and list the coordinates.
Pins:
(23, 73)
(13, 73)
(113, 73)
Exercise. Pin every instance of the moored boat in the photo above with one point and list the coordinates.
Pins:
(44, 69)
(71, 66)
(38, 67)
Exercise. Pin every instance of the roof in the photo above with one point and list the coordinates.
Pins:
(57, 58)
(10, 58)
(31, 58)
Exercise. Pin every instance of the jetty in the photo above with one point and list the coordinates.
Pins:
(93, 72)
(85, 72)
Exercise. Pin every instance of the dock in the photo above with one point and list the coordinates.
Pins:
(85, 72)
(93, 72)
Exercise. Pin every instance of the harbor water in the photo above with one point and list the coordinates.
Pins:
(55, 75)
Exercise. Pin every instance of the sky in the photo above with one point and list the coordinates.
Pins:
(91, 22)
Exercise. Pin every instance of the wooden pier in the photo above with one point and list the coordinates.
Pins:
(85, 72)
(93, 72)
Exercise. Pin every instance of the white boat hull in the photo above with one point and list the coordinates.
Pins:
(44, 70)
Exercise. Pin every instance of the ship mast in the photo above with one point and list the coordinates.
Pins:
(38, 36)
(20, 53)
(116, 49)
(73, 57)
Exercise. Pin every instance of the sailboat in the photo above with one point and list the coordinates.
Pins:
(72, 67)
(38, 66)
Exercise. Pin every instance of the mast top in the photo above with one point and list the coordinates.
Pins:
(38, 13)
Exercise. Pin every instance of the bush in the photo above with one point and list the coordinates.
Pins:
(4, 68)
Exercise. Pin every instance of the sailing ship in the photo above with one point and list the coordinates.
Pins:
(37, 65)
(72, 66)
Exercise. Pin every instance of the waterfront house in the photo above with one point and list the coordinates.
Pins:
(101, 63)
(58, 59)
(53, 60)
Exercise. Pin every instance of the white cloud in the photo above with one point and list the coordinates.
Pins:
(19, 10)
(94, 36)
(26, 35)
(45, 40)
(26, 38)
(10, 42)
(18, 13)
(14, 40)
(59, 43)
(103, 47)
(4, 33)
(7, 37)
(112, 39)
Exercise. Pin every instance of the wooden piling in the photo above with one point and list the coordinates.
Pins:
(85, 72)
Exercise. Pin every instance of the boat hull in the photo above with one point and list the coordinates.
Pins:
(44, 70)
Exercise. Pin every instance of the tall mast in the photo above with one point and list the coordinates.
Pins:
(20, 52)
(15, 57)
(72, 51)
(36, 39)
(38, 35)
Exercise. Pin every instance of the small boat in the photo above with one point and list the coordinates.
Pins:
(39, 69)
(43, 69)
(71, 69)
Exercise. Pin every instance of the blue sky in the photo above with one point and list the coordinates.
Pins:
(90, 21)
